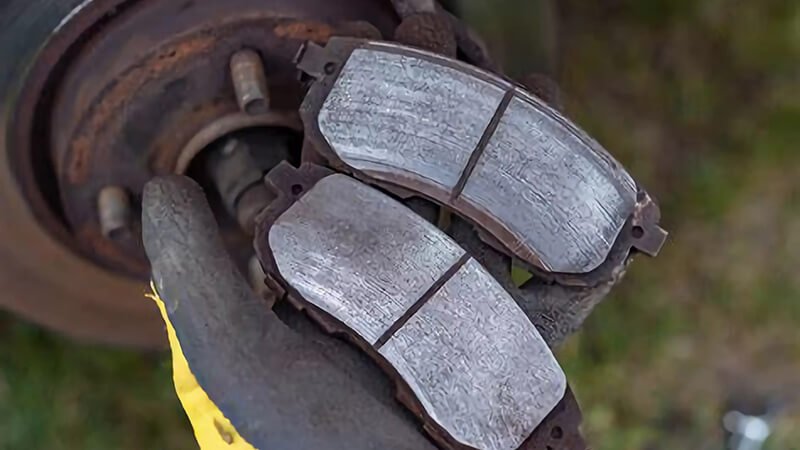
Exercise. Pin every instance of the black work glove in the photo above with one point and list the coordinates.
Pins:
(253, 377)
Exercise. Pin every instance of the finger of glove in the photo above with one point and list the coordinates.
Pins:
(274, 387)
(428, 31)
(467, 40)
(405, 8)
(545, 88)
(557, 311)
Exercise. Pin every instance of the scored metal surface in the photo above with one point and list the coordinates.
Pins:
(477, 364)
(397, 114)
(562, 197)
(358, 254)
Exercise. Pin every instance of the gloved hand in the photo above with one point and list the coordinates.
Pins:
(251, 377)
(245, 378)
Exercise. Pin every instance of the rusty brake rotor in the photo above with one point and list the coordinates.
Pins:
(123, 88)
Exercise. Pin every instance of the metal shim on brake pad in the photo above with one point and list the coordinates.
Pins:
(470, 140)
(477, 367)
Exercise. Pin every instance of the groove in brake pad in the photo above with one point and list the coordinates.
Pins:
(464, 356)
(478, 144)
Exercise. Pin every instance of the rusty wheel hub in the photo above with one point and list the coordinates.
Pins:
(125, 91)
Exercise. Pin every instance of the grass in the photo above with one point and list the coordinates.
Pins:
(59, 395)
(696, 98)
(701, 100)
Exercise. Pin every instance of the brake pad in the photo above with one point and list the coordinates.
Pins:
(535, 184)
(465, 358)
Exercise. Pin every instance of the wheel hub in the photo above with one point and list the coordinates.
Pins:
(125, 91)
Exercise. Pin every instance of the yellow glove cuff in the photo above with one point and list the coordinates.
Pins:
(211, 428)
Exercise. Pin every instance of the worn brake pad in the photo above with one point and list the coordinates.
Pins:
(535, 184)
(464, 356)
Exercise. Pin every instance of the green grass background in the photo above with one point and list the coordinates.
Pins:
(701, 101)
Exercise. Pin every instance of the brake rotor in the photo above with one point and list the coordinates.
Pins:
(122, 88)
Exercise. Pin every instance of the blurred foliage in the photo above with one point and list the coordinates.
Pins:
(701, 100)
(59, 395)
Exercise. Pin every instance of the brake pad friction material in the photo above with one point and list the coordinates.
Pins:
(359, 255)
(472, 314)
(391, 113)
(476, 143)
(566, 201)
(477, 368)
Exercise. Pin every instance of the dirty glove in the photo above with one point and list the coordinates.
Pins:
(245, 379)
(251, 377)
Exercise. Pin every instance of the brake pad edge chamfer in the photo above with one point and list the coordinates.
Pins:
(567, 244)
(333, 325)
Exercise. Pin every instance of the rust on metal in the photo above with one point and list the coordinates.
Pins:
(77, 170)
(122, 254)
(124, 100)
(27, 153)
(123, 86)
(185, 125)
(89, 55)
(305, 31)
